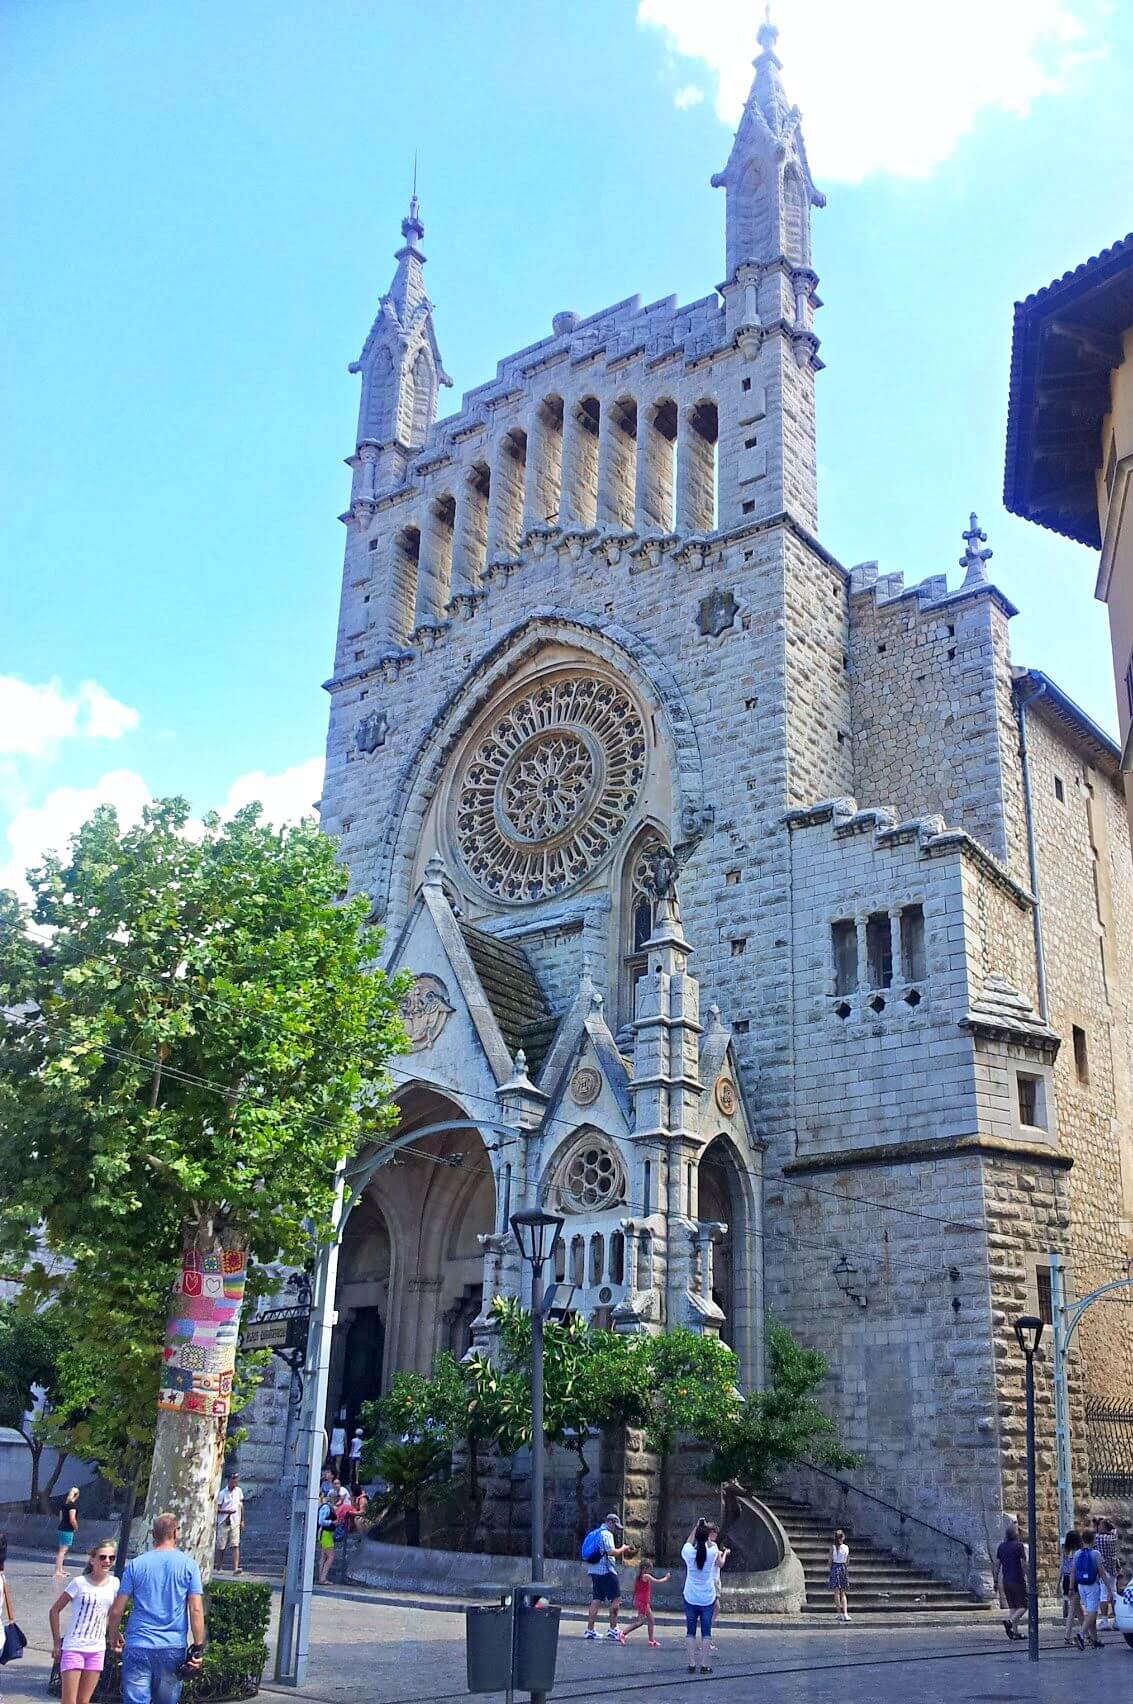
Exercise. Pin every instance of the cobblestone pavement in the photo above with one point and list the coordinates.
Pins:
(371, 1646)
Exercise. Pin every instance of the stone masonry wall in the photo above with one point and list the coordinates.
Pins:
(933, 727)
(1086, 887)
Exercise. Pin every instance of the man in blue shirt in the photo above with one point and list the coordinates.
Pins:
(164, 1587)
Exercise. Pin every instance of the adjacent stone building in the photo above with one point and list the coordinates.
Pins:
(767, 920)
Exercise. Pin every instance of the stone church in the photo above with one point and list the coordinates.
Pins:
(767, 921)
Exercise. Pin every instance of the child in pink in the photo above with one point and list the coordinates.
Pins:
(643, 1584)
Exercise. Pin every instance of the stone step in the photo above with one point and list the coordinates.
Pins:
(879, 1580)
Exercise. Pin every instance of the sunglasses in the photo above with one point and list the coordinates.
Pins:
(104, 1556)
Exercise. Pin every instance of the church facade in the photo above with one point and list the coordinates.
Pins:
(766, 921)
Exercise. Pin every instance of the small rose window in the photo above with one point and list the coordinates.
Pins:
(591, 1178)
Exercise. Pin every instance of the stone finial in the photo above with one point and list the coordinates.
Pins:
(519, 1064)
(412, 228)
(974, 559)
(435, 871)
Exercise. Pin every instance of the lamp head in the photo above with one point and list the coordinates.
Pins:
(536, 1233)
(1029, 1330)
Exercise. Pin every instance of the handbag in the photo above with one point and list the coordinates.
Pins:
(14, 1642)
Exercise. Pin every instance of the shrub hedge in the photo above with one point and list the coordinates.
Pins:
(236, 1618)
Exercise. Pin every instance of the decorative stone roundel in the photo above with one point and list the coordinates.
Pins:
(591, 1178)
(726, 1096)
(585, 1085)
(548, 785)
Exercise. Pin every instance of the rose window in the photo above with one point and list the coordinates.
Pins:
(548, 786)
(591, 1179)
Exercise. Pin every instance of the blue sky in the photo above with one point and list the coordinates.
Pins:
(201, 209)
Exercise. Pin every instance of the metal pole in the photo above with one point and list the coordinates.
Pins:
(1032, 1523)
(1062, 1456)
(537, 1521)
(294, 1645)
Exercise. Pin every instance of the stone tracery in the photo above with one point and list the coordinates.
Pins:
(548, 787)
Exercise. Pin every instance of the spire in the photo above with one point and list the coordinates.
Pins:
(767, 90)
(408, 288)
(400, 362)
(769, 187)
(974, 559)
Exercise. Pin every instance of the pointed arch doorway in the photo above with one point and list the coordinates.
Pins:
(728, 1193)
(411, 1266)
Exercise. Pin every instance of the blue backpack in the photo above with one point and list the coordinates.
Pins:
(1085, 1568)
(593, 1549)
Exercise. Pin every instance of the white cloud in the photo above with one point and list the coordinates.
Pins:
(34, 719)
(689, 96)
(35, 830)
(286, 797)
(39, 829)
(884, 85)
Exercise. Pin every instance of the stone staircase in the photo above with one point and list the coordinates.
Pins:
(267, 1524)
(880, 1583)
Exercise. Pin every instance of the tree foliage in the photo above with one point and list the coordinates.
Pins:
(782, 1423)
(680, 1385)
(208, 1037)
(199, 1037)
(33, 1352)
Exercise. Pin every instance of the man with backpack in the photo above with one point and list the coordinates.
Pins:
(1089, 1573)
(601, 1555)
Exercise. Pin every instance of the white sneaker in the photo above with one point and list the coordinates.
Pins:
(590, 1634)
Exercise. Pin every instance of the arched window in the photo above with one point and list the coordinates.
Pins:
(645, 1261)
(795, 227)
(751, 224)
(434, 576)
(638, 912)
(377, 405)
(470, 545)
(696, 468)
(506, 508)
(656, 467)
(617, 469)
(582, 474)
(545, 463)
(403, 584)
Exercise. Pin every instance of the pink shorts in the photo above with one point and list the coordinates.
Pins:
(89, 1661)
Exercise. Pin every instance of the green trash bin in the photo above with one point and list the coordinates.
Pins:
(536, 1646)
(488, 1648)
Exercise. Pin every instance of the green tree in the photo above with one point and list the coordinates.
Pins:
(782, 1423)
(33, 1352)
(205, 1040)
(410, 1471)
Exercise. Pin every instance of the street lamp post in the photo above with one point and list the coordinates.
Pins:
(1029, 1331)
(536, 1233)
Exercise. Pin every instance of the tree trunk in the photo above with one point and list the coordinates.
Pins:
(36, 1504)
(129, 1504)
(60, 1459)
(664, 1504)
(196, 1386)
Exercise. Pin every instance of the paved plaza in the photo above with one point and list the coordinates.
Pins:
(369, 1645)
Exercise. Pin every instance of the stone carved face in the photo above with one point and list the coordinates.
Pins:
(425, 1011)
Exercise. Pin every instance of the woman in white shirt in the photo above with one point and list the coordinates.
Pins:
(81, 1651)
(699, 1555)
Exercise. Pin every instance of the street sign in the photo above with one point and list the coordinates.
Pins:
(277, 1328)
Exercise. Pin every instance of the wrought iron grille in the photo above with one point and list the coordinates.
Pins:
(1109, 1434)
